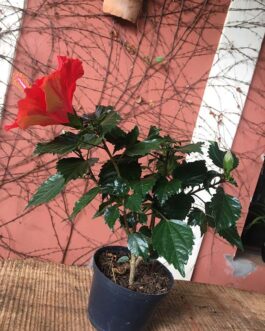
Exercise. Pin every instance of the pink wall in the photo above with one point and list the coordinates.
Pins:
(120, 69)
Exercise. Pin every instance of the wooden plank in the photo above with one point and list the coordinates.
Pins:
(41, 296)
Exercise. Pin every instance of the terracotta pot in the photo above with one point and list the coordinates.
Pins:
(126, 9)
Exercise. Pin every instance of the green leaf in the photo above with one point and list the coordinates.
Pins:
(123, 259)
(101, 111)
(211, 174)
(165, 189)
(111, 214)
(198, 218)
(177, 206)
(108, 173)
(166, 164)
(119, 187)
(138, 244)
(154, 133)
(173, 240)
(75, 121)
(145, 230)
(89, 140)
(72, 168)
(191, 148)
(232, 236)
(217, 156)
(159, 59)
(102, 207)
(226, 210)
(84, 201)
(116, 137)
(134, 201)
(132, 137)
(62, 144)
(48, 190)
(144, 185)
(110, 120)
(144, 147)
(191, 174)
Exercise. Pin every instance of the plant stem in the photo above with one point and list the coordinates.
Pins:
(127, 229)
(153, 218)
(111, 158)
(132, 269)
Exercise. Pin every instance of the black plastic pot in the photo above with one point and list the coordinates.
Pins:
(115, 308)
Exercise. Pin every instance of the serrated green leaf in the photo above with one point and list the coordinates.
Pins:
(75, 121)
(119, 187)
(191, 173)
(177, 206)
(154, 133)
(132, 137)
(226, 210)
(138, 244)
(62, 144)
(165, 189)
(144, 147)
(232, 236)
(89, 140)
(101, 111)
(108, 173)
(84, 201)
(111, 214)
(109, 121)
(198, 218)
(217, 156)
(133, 202)
(144, 185)
(48, 190)
(72, 168)
(116, 137)
(123, 259)
(173, 240)
(166, 165)
(190, 148)
(102, 207)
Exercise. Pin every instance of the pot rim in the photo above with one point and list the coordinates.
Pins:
(169, 274)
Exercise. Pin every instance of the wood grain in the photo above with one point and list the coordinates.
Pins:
(40, 296)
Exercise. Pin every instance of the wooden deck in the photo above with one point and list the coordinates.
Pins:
(40, 296)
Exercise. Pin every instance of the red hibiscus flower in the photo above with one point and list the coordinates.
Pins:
(49, 100)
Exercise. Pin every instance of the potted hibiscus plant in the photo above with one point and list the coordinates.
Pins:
(146, 188)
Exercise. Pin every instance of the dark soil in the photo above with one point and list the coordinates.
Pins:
(150, 277)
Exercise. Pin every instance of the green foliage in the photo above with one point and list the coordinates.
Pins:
(85, 200)
(173, 240)
(218, 157)
(191, 174)
(144, 184)
(48, 190)
(198, 217)
(226, 209)
(165, 188)
(63, 144)
(72, 168)
(177, 206)
(111, 214)
(138, 244)
(144, 147)
(190, 148)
